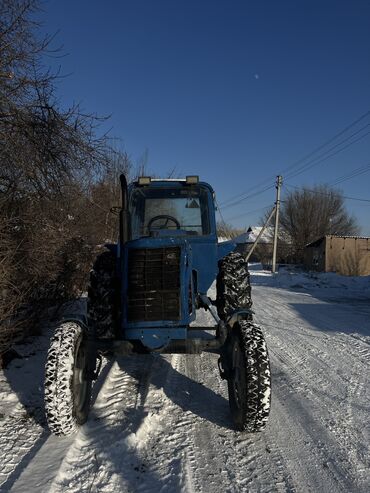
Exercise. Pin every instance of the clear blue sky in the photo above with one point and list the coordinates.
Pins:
(235, 91)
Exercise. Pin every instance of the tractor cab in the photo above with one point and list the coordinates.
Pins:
(162, 208)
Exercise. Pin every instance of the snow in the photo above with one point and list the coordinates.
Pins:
(162, 423)
(328, 284)
(251, 235)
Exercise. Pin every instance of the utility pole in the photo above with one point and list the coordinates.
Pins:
(279, 181)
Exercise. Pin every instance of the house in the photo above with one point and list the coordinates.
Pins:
(263, 252)
(347, 255)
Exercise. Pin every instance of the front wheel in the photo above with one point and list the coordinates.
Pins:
(67, 391)
(233, 285)
(249, 379)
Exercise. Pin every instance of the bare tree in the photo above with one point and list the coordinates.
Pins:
(58, 179)
(309, 213)
(225, 230)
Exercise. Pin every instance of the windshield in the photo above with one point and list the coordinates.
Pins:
(184, 209)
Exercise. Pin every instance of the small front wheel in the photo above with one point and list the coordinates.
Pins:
(67, 391)
(233, 285)
(249, 378)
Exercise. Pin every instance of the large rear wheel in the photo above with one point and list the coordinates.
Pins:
(67, 391)
(249, 378)
(102, 305)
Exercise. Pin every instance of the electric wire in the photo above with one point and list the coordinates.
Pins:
(304, 189)
(356, 172)
(254, 194)
(232, 201)
(328, 142)
(249, 212)
(320, 159)
(314, 162)
(225, 225)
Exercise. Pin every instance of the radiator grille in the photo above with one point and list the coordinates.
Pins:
(153, 284)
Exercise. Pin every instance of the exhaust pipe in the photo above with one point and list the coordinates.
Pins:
(124, 214)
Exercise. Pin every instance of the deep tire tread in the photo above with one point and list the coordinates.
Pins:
(102, 296)
(233, 285)
(58, 393)
(255, 409)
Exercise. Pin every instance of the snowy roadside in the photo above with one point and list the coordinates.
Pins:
(23, 428)
(22, 425)
(321, 284)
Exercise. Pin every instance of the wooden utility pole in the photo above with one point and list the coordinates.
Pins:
(279, 181)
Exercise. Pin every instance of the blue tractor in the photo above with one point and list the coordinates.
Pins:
(143, 298)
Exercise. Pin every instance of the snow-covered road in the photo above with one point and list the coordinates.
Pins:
(162, 423)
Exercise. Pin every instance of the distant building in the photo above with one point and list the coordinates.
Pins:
(263, 251)
(251, 234)
(347, 255)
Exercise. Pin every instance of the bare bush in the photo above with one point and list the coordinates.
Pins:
(58, 180)
(225, 230)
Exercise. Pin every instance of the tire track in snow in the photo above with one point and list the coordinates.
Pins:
(140, 442)
(19, 438)
(166, 444)
(92, 462)
(245, 462)
(22, 423)
(207, 450)
(320, 369)
(228, 460)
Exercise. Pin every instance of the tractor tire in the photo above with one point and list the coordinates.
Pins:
(66, 392)
(233, 285)
(249, 379)
(102, 306)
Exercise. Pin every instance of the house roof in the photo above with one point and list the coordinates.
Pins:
(319, 240)
(251, 234)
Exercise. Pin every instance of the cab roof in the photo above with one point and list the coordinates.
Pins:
(163, 182)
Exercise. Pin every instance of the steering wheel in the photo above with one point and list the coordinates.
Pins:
(163, 226)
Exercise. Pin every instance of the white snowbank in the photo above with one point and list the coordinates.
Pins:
(290, 277)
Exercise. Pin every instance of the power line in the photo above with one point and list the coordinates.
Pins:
(332, 139)
(356, 172)
(249, 212)
(243, 193)
(310, 164)
(320, 159)
(227, 229)
(326, 194)
(314, 162)
(231, 202)
(257, 192)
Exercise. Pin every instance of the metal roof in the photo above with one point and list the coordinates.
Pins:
(319, 240)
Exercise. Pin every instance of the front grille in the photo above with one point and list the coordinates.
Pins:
(153, 284)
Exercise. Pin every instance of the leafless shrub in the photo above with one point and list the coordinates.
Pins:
(58, 181)
(225, 230)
